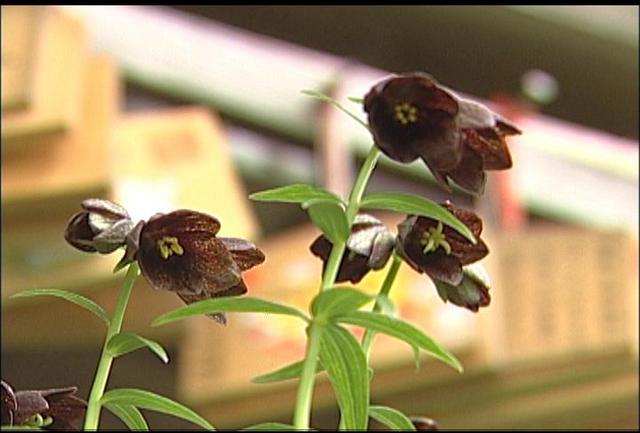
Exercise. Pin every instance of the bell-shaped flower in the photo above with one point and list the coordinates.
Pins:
(180, 252)
(102, 226)
(369, 246)
(437, 250)
(412, 116)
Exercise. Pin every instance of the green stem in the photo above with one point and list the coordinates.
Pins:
(92, 417)
(305, 390)
(333, 263)
(367, 339)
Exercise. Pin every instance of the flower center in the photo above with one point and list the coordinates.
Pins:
(406, 113)
(169, 245)
(38, 420)
(433, 238)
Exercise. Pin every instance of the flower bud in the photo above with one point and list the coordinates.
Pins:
(102, 226)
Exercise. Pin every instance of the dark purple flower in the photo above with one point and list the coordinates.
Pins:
(422, 423)
(369, 247)
(180, 252)
(50, 409)
(437, 250)
(472, 293)
(413, 116)
(101, 226)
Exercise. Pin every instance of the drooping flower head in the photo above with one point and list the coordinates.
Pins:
(412, 116)
(437, 250)
(101, 226)
(50, 409)
(369, 246)
(178, 251)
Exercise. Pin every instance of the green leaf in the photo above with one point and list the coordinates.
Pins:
(356, 99)
(413, 204)
(296, 193)
(338, 301)
(346, 365)
(291, 371)
(151, 401)
(244, 304)
(392, 418)
(330, 218)
(125, 342)
(271, 426)
(130, 416)
(69, 296)
(339, 106)
(402, 330)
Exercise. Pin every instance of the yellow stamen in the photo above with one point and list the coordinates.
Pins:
(169, 245)
(406, 113)
(433, 239)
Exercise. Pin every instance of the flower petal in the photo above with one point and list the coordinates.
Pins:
(244, 253)
(469, 173)
(179, 252)
(491, 146)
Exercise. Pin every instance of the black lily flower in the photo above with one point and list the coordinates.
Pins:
(51, 409)
(422, 423)
(472, 293)
(180, 252)
(437, 250)
(101, 226)
(369, 247)
(413, 116)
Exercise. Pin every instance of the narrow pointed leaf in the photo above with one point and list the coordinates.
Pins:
(402, 330)
(129, 415)
(296, 193)
(125, 342)
(392, 418)
(346, 365)
(151, 401)
(291, 371)
(415, 205)
(277, 426)
(330, 218)
(339, 106)
(245, 304)
(338, 301)
(69, 296)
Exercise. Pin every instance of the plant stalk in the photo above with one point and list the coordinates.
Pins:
(367, 339)
(92, 417)
(333, 263)
(302, 412)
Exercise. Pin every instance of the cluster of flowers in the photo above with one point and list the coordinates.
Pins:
(410, 116)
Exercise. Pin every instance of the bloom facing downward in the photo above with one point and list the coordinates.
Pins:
(369, 246)
(180, 252)
(437, 250)
(50, 409)
(412, 116)
(101, 226)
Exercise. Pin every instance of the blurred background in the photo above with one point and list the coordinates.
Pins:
(159, 108)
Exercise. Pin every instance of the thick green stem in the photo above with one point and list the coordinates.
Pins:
(367, 339)
(305, 390)
(92, 417)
